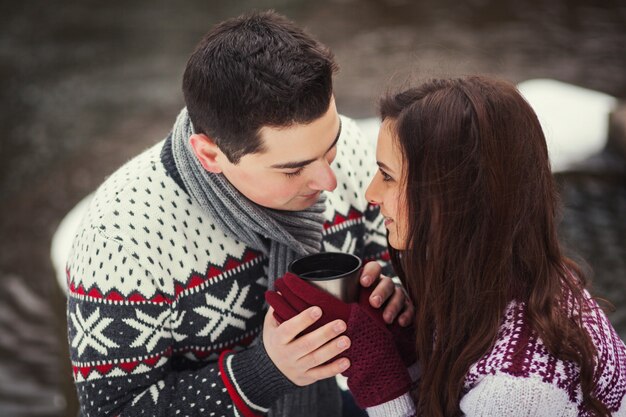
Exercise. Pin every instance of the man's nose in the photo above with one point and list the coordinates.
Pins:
(323, 177)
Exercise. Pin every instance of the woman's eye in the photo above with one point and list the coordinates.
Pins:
(386, 177)
(294, 173)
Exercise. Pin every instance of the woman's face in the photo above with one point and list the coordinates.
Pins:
(387, 187)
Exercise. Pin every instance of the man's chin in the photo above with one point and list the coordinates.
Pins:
(297, 207)
(297, 203)
(301, 203)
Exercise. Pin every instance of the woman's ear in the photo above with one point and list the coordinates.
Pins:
(206, 151)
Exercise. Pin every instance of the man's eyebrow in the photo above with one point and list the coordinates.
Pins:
(301, 164)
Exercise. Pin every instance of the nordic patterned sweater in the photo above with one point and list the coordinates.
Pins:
(518, 377)
(164, 306)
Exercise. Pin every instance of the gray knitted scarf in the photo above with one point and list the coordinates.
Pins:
(280, 235)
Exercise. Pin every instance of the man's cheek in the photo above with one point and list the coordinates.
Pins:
(280, 191)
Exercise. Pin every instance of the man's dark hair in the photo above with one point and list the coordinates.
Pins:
(256, 70)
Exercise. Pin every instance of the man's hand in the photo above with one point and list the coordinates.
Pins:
(397, 303)
(303, 359)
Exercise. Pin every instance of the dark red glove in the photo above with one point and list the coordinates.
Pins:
(377, 373)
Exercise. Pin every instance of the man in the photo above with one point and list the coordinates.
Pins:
(168, 270)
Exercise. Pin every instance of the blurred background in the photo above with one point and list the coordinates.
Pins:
(86, 85)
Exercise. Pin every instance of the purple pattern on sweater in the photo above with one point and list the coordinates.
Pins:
(519, 352)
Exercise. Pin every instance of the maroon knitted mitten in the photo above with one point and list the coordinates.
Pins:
(377, 373)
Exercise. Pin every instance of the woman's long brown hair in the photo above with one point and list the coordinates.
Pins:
(482, 208)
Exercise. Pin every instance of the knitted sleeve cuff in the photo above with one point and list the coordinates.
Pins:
(402, 406)
(252, 380)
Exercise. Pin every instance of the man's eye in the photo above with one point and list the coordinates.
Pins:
(294, 173)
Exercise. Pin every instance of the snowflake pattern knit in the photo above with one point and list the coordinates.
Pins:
(158, 294)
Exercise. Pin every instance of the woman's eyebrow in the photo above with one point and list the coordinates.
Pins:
(383, 166)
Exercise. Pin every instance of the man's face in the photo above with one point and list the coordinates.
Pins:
(294, 168)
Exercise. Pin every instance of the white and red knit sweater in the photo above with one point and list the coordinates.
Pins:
(519, 377)
(157, 292)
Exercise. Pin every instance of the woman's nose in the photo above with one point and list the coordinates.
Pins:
(370, 194)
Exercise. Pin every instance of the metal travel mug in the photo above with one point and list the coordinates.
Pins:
(335, 272)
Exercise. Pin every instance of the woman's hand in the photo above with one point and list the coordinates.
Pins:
(386, 293)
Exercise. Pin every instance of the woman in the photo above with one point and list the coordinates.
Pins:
(504, 325)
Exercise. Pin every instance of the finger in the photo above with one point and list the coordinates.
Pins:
(296, 302)
(407, 317)
(384, 289)
(270, 319)
(325, 353)
(294, 326)
(280, 319)
(311, 342)
(303, 289)
(394, 305)
(282, 309)
(371, 272)
(329, 370)
(277, 283)
(315, 296)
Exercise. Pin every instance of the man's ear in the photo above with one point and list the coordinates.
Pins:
(206, 151)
